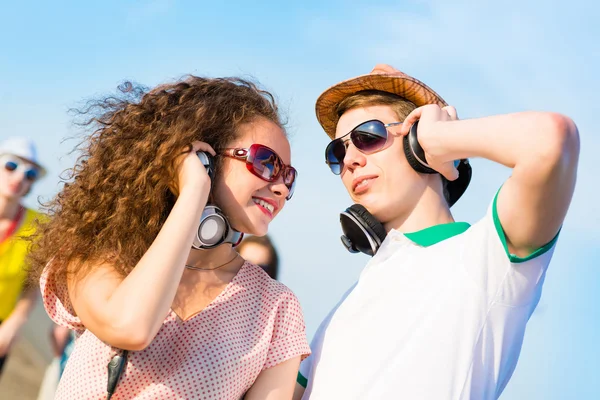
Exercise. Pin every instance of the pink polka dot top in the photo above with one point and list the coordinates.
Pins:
(254, 324)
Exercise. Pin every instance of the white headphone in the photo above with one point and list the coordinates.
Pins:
(214, 228)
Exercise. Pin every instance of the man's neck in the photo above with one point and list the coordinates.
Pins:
(431, 210)
(9, 208)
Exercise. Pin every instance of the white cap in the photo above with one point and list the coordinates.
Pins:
(23, 148)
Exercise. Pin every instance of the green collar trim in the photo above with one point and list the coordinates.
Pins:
(301, 380)
(437, 233)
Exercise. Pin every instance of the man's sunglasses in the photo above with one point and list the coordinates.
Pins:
(368, 137)
(266, 164)
(30, 172)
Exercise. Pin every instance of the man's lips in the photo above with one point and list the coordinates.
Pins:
(362, 183)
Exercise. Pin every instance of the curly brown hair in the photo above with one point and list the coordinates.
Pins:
(117, 197)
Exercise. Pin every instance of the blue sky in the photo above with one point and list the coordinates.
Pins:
(484, 58)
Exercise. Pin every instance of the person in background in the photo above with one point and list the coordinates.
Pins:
(62, 340)
(20, 168)
(260, 250)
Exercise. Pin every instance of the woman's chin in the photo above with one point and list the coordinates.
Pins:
(254, 228)
(259, 230)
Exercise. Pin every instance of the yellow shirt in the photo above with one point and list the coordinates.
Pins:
(13, 274)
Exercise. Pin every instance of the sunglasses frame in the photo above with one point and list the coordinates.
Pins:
(248, 156)
(344, 139)
(21, 165)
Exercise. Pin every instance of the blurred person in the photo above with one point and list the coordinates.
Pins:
(62, 340)
(138, 256)
(20, 168)
(260, 250)
(440, 310)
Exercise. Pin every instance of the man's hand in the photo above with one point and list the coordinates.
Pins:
(431, 118)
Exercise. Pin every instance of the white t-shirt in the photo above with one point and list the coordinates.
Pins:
(437, 314)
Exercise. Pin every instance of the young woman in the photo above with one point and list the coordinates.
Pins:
(116, 259)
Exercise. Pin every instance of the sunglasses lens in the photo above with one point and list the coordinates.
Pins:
(290, 181)
(265, 163)
(369, 137)
(367, 142)
(334, 155)
(11, 166)
(31, 174)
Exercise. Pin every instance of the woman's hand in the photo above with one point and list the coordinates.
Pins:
(190, 172)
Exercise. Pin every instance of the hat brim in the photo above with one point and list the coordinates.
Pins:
(399, 84)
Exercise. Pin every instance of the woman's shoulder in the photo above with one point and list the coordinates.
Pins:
(266, 284)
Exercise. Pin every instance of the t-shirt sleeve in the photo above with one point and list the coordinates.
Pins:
(289, 332)
(503, 277)
(305, 370)
(57, 304)
(308, 365)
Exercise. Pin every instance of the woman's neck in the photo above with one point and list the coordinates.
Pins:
(210, 259)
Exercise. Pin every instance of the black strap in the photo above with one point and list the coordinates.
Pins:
(116, 366)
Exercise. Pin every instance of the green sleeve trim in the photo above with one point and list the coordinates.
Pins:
(514, 258)
(302, 381)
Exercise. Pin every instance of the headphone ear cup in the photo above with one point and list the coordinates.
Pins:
(362, 232)
(370, 221)
(413, 152)
(208, 162)
(212, 230)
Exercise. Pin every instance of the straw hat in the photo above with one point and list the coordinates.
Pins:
(386, 78)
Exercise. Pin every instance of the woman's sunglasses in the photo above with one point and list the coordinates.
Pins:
(368, 137)
(30, 172)
(266, 164)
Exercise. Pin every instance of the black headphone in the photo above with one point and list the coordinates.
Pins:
(214, 228)
(363, 232)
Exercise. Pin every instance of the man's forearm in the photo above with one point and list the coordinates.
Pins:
(541, 148)
(508, 139)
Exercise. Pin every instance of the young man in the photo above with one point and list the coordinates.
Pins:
(440, 311)
(19, 169)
